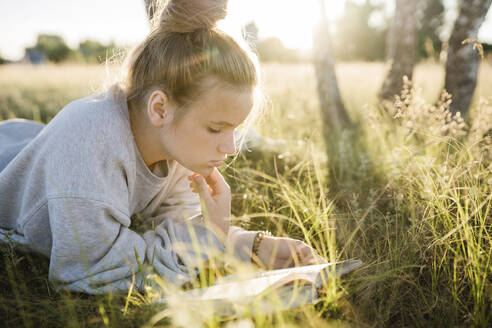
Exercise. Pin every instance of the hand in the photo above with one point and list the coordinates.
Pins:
(283, 252)
(216, 196)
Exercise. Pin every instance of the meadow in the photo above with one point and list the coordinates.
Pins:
(409, 194)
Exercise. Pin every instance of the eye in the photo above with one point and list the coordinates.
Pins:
(213, 130)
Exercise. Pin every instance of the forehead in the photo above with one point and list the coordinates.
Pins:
(223, 103)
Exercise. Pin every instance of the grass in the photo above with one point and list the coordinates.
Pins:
(410, 196)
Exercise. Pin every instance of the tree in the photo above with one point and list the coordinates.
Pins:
(462, 59)
(402, 41)
(333, 111)
(94, 51)
(430, 25)
(53, 47)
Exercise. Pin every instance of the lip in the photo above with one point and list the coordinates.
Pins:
(216, 163)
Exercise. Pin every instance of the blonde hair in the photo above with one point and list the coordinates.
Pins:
(185, 47)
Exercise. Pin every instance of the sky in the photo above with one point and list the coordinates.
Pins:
(125, 21)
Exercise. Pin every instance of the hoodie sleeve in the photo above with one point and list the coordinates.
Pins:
(94, 251)
(184, 205)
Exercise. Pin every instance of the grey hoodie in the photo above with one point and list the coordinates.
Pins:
(73, 190)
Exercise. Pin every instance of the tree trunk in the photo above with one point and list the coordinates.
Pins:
(402, 45)
(462, 60)
(333, 112)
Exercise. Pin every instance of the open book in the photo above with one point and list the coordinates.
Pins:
(266, 291)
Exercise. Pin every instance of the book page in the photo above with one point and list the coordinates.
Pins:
(235, 290)
(266, 291)
(237, 286)
(308, 270)
(312, 271)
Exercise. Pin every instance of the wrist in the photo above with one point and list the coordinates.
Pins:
(221, 228)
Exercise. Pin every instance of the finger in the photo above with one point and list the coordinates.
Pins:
(310, 255)
(217, 182)
(203, 189)
(306, 252)
(282, 263)
(294, 246)
(191, 177)
(192, 187)
(313, 258)
(276, 263)
(291, 259)
(301, 254)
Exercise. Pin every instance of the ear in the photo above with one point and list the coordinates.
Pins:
(160, 110)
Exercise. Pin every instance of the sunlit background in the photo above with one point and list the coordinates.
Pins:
(408, 193)
(125, 23)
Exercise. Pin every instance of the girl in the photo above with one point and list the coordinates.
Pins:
(148, 147)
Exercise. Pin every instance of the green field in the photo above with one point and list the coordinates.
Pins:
(410, 196)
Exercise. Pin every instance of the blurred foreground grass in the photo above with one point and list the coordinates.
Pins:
(410, 196)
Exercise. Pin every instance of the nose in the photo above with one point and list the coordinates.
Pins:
(228, 146)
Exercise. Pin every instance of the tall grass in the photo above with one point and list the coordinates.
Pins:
(408, 193)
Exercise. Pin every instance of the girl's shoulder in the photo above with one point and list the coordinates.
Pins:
(104, 107)
(101, 116)
(88, 131)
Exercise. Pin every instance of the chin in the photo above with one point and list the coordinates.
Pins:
(204, 170)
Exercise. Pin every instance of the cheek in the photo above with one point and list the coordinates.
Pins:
(187, 134)
(196, 140)
(193, 140)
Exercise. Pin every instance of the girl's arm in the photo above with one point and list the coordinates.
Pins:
(94, 251)
(183, 204)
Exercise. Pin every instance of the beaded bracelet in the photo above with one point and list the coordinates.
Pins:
(256, 243)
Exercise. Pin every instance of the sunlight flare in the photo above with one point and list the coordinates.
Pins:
(291, 21)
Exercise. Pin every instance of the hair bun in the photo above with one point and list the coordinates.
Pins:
(184, 16)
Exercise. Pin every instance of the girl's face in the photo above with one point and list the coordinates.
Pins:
(202, 138)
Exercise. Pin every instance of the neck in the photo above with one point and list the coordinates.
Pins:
(145, 137)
